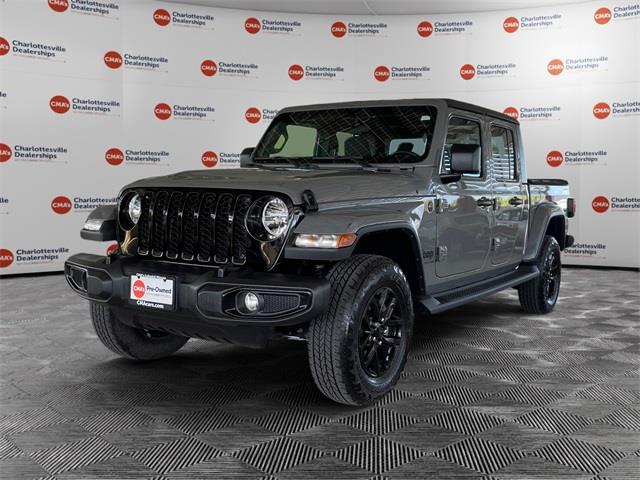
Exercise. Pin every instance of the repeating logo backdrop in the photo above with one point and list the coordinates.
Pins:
(94, 95)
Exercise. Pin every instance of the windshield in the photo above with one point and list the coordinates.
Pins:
(344, 135)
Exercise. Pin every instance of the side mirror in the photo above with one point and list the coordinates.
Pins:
(245, 157)
(465, 158)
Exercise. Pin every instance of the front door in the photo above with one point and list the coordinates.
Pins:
(511, 195)
(465, 208)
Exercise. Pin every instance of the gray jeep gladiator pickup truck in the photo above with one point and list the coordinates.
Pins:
(343, 221)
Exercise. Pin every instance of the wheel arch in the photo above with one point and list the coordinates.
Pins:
(546, 219)
(400, 243)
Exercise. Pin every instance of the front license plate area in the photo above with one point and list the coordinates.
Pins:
(152, 291)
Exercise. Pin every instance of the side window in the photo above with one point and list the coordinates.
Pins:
(503, 154)
(299, 141)
(460, 130)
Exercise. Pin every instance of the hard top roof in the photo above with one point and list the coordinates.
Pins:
(442, 102)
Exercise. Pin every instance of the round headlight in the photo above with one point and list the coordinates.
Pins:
(268, 218)
(131, 210)
(275, 217)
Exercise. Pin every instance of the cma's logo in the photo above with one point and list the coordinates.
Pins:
(209, 159)
(296, 72)
(209, 68)
(6, 257)
(60, 104)
(600, 204)
(601, 110)
(425, 29)
(58, 5)
(554, 158)
(138, 288)
(510, 24)
(61, 205)
(162, 111)
(252, 25)
(114, 156)
(162, 17)
(555, 67)
(252, 115)
(467, 71)
(511, 112)
(602, 16)
(5, 152)
(113, 59)
(4, 46)
(382, 73)
(338, 29)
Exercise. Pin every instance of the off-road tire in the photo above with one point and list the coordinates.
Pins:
(131, 342)
(531, 294)
(333, 339)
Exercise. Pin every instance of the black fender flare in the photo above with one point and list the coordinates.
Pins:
(539, 222)
(323, 254)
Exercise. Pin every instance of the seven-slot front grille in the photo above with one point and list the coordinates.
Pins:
(203, 227)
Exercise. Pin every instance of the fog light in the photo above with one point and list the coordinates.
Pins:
(251, 302)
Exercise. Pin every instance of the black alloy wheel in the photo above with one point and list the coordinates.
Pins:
(381, 332)
(551, 277)
(540, 294)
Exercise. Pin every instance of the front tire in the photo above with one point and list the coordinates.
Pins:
(540, 294)
(358, 348)
(132, 342)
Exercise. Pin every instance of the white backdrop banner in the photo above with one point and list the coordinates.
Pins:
(97, 93)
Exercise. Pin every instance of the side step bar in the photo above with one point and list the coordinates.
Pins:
(459, 296)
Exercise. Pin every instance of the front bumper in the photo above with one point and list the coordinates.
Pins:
(205, 297)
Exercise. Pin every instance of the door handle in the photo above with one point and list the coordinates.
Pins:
(515, 201)
(485, 202)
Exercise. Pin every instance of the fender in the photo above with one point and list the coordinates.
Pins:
(363, 226)
(352, 221)
(540, 217)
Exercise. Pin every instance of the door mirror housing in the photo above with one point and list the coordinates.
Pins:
(245, 157)
(466, 158)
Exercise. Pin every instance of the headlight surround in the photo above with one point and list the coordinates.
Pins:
(130, 210)
(268, 218)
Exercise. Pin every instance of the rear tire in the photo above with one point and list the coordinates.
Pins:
(539, 295)
(358, 348)
(132, 342)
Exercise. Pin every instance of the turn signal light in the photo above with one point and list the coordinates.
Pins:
(314, 240)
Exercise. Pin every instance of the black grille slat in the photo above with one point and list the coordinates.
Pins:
(206, 220)
(190, 226)
(159, 224)
(145, 223)
(196, 226)
(223, 224)
(240, 237)
(174, 226)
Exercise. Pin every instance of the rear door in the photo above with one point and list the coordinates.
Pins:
(465, 208)
(510, 194)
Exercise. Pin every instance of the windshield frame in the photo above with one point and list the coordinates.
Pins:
(426, 159)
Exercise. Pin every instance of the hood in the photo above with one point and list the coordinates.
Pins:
(328, 185)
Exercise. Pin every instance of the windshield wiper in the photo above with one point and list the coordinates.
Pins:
(298, 162)
(306, 162)
(359, 160)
